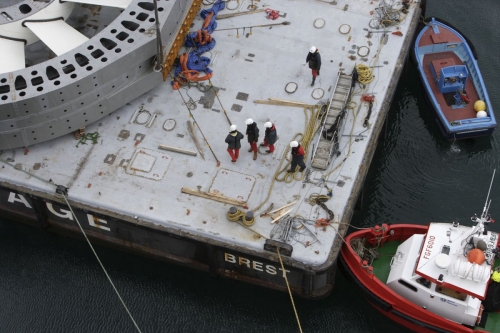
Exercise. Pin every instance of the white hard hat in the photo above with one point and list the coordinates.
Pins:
(268, 125)
(232, 128)
(249, 121)
(294, 144)
(313, 49)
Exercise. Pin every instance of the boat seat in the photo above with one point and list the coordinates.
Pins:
(439, 38)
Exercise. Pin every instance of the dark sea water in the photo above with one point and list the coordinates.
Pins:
(49, 283)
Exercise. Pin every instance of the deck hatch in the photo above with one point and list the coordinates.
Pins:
(233, 184)
(148, 163)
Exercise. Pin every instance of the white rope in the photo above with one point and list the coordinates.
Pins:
(100, 263)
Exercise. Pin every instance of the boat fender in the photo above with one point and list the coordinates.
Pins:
(495, 276)
(481, 114)
(479, 105)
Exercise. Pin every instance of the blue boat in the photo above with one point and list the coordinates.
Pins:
(450, 75)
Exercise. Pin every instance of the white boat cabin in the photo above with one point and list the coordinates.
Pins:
(441, 272)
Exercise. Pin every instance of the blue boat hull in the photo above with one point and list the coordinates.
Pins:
(462, 50)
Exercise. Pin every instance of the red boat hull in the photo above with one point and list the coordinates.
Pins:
(384, 299)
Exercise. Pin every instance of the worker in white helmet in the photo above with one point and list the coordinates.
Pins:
(233, 142)
(270, 137)
(314, 60)
(297, 157)
(253, 136)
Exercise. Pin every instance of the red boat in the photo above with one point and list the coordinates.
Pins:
(436, 278)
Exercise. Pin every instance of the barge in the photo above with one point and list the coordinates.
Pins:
(132, 148)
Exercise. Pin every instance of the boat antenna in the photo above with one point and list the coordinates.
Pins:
(486, 205)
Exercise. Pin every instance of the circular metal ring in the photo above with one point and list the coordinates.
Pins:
(159, 69)
(319, 23)
(146, 112)
(291, 87)
(228, 7)
(344, 29)
(169, 124)
(317, 93)
(363, 51)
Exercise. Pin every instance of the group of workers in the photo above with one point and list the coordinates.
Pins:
(234, 138)
(270, 136)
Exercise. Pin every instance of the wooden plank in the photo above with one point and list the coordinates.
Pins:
(193, 136)
(214, 196)
(178, 150)
(225, 16)
(286, 101)
(276, 219)
(274, 211)
(260, 101)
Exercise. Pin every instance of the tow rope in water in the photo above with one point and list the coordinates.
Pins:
(100, 263)
(83, 232)
(289, 291)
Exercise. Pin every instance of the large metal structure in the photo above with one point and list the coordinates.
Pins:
(89, 78)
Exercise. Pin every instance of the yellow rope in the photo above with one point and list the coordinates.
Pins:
(311, 126)
(364, 74)
(289, 291)
(239, 215)
(312, 115)
(236, 216)
(255, 232)
(314, 197)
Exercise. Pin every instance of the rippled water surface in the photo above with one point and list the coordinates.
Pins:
(49, 283)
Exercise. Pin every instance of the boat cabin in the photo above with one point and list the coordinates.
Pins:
(449, 76)
(435, 271)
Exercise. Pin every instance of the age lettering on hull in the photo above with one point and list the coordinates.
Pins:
(61, 213)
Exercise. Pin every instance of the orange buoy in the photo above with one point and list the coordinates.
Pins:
(476, 256)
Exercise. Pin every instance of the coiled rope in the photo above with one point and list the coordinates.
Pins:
(239, 215)
(313, 117)
(364, 74)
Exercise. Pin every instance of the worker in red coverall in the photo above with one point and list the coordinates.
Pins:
(270, 137)
(253, 136)
(297, 157)
(314, 60)
(233, 142)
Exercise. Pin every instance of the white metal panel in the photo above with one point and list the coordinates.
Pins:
(107, 3)
(13, 55)
(59, 36)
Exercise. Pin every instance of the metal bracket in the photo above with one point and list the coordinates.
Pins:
(285, 249)
(61, 190)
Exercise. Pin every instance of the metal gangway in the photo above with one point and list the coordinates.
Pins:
(332, 126)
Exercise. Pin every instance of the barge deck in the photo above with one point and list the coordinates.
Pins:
(128, 192)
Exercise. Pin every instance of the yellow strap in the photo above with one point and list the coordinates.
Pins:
(289, 291)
